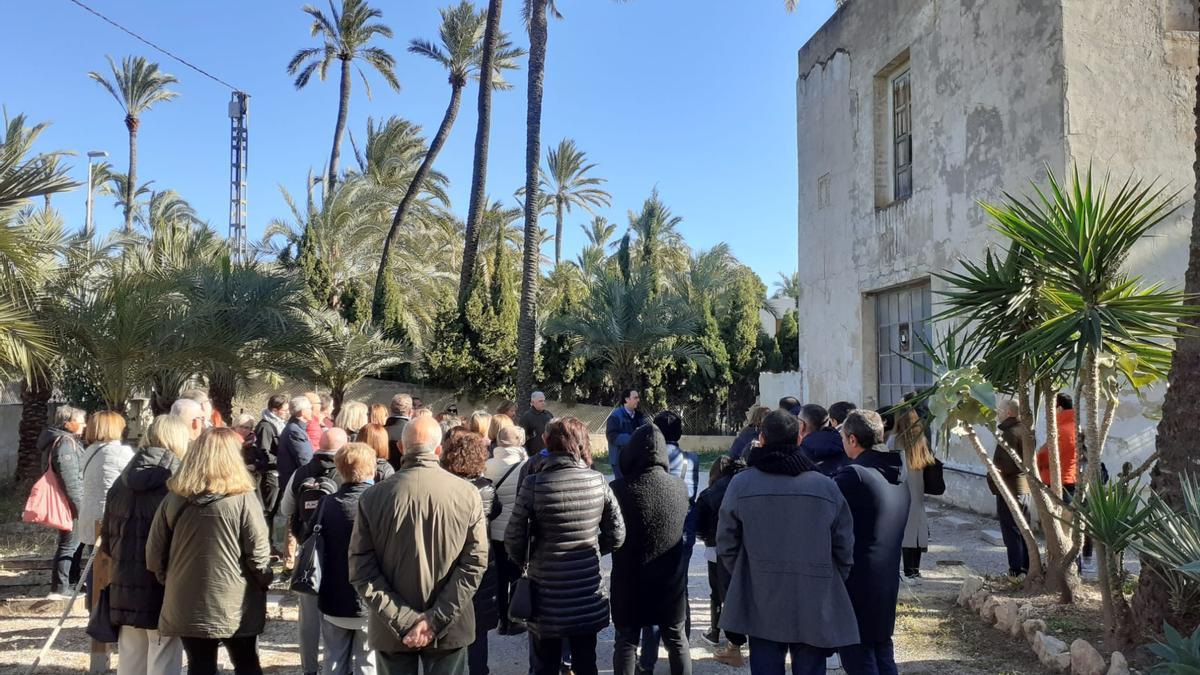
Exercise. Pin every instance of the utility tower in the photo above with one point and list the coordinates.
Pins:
(238, 149)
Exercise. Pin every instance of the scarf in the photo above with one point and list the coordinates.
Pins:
(274, 420)
(786, 460)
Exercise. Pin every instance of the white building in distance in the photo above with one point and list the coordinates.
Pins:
(910, 112)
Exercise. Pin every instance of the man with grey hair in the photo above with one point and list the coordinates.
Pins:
(1010, 435)
(534, 423)
(192, 414)
(200, 396)
(401, 410)
(60, 448)
(417, 555)
(873, 483)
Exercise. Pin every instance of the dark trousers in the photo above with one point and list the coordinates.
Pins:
(427, 661)
(651, 635)
(477, 653)
(202, 655)
(673, 637)
(718, 581)
(268, 492)
(64, 571)
(767, 657)
(1014, 543)
(547, 653)
(507, 574)
(912, 561)
(871, 658)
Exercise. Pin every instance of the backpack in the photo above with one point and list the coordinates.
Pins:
(308, 498)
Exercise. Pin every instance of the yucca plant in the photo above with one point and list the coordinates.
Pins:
(1115, 516)
(1180, 655)
(1172, 542)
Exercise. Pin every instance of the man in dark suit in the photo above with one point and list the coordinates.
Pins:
(873, 485)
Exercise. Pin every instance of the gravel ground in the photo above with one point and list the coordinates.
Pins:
(933, 635)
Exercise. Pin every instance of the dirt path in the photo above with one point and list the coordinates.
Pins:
(933, 635)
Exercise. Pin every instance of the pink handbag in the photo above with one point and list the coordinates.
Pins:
(47, 503)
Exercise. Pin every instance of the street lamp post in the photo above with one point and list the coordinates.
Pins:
(94, 154)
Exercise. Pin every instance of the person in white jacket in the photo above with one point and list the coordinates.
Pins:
(504, 470)
(103, 461)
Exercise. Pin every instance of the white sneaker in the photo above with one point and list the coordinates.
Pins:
(834, 662)
(58, 596)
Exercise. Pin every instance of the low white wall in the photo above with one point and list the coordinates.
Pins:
(774, 386)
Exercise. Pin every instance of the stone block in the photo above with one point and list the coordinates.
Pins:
(1118, 666)
(1060, 663)
(969, 587)
(992, 537)
(988, 610)
(1086, 660)
(1031, 628)
(976, 602)
(1007, 616)
(1047, 647)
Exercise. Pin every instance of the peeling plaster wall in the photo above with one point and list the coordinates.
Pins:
(987, 82)
(1000, 90)
(1131, 85)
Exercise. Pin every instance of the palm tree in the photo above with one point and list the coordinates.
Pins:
(346, 35)
(659, 244)
(461, 54)
(789, 287)
(137, 85)
(624, 324)
(339, 354)
(566, 184)
(483, 129)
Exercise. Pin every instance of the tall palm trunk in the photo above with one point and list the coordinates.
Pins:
(558, 227)
(35, 397)
(414, 188)
(339, 128)
(222, 388)
(483, 130)
(527, 323)
(131, 123)
(1179, 426)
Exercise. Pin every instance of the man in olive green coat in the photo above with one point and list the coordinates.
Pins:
(417, 555)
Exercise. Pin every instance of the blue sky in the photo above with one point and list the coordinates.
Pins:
(694, 98)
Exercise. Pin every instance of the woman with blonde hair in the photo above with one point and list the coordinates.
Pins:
(479, 422)
(910, 442)
(499, 422)
(209, 548)
(754, 420)
(376, 436)
(135, 595)
(352, 417)
(378, 414)
(103, 462)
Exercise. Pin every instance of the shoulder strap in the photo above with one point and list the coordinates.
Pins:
(508, 473)
(88, 463)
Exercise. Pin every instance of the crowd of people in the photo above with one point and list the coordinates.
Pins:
(434, 530)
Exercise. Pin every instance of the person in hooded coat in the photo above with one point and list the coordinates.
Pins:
(649, 575)
(873, 484)
(135, 596)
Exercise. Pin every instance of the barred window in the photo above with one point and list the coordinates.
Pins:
(901, 136)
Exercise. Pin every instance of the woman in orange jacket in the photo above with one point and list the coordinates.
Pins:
(1064, 409)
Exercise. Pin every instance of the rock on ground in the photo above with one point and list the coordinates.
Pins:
(1086, 660)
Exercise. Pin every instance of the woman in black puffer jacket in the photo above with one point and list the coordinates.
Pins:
(465, 454)
(135, 597)
(564, 519)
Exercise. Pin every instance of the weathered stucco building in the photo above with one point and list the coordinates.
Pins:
(910, 112)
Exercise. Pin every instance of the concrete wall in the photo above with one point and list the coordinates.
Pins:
(774, 386)
(987, 108)
(999, 90)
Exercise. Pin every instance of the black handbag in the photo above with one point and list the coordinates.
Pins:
(306, 576)
(100, 626)
(520, 605)
(935, 479)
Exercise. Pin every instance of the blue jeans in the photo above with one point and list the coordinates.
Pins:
(767, 657)
(871, 658)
